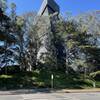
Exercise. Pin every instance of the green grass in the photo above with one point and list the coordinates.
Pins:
(42, 79)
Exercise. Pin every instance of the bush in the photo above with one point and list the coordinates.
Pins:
(95, 75)
(10, 69)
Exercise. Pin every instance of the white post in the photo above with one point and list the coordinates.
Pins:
(94, 84)
(52, 81)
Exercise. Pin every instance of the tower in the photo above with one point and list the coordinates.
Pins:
(48, 13)
(47, 9)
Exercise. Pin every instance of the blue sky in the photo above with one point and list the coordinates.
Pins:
(73, 6)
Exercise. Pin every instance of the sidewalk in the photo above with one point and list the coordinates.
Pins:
(34, 91)
(24, 91)
(80, 90)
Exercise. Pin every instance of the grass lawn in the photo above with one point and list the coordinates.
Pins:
(42, 79)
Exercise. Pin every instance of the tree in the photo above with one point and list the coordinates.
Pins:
(81, 40)
(32, 40)
(3, 4)
(7, 38)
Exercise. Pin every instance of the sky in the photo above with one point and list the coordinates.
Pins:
(75, 7)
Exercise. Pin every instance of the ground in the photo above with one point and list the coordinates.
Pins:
(53, 96)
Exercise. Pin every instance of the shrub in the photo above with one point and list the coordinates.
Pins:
(95, 75)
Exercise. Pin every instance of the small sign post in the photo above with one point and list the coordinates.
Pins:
(94, 84)
(52, 81)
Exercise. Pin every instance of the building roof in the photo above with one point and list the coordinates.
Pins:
(48, 7)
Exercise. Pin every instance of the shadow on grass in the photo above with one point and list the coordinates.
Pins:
(40, 81)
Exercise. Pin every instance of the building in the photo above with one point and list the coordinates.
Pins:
(48, 13)
(48, 7)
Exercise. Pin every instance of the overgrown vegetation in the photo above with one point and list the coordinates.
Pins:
(73, 51)
(42, 79)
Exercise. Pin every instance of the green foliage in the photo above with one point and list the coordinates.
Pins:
(3, 4)
(42, 79)
(72, 45)
(95, 75)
